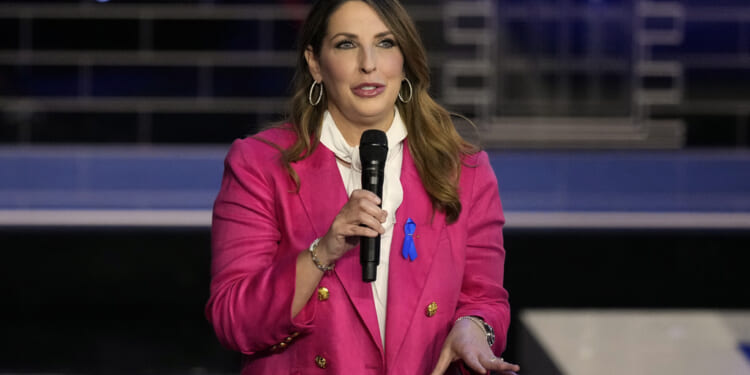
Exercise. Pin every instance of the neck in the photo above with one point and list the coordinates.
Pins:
(352, 130)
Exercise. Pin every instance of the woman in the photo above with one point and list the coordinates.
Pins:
(287, 289)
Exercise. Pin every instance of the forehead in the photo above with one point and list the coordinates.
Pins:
(355, 17)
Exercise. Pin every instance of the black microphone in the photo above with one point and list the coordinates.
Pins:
(373, 149)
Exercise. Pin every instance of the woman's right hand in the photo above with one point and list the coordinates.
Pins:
(360, 216)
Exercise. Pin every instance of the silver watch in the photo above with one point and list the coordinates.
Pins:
(489, 332)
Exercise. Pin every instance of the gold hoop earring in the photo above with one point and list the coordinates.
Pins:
(310, 94)
(411, 92)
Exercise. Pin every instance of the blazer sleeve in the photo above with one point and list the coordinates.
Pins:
(482, 291)
(252, 283)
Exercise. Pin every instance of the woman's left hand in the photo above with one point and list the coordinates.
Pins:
(467, 342)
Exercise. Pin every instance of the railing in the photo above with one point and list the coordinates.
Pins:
(531, 74)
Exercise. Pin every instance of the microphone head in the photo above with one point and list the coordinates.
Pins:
(373, 146)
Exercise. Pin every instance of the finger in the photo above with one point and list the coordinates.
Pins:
(358, 231)
(511, 368)
(372, 219)
(372, 209)
(495, 363)
(490, 362)
(362, 211)
(443, 362)
(365, 194)
(473, 362)
(345, 222)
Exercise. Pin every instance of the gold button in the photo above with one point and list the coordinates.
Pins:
(321, 362)
(288, 339)
(282, 345)
(431, 309)
(294, 334)
(274, 348)
(322, 294)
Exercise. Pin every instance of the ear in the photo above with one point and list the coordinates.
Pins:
(313, 64)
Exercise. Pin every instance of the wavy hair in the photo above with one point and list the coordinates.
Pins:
(434, 143)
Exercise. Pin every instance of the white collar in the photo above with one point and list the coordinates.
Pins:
(331, 137)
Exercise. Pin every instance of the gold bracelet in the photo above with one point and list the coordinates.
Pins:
(315, 259)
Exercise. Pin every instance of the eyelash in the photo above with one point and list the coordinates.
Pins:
(391, 42)
(341, 45)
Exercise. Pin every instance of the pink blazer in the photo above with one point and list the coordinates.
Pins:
(261, 223)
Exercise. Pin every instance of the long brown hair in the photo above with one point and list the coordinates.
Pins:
(434, 143)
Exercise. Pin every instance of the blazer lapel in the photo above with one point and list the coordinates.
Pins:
(322, 193)
(406, 279)
(321, 190)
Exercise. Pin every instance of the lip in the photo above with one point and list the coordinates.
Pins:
(368, 89)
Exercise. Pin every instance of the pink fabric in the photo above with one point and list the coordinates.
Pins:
(260, 224)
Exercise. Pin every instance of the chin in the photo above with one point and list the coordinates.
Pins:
(373, 109)
(377, 113)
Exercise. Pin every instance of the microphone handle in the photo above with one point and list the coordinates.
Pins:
(369, 259)
(369, 247)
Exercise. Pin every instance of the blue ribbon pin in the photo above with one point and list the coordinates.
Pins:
(409, 251)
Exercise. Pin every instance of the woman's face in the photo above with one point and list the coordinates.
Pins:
(360, 65)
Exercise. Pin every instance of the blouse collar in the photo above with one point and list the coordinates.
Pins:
(331, 137)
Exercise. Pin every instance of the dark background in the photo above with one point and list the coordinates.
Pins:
(131, 300)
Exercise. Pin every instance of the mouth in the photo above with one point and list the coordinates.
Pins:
(368, 89)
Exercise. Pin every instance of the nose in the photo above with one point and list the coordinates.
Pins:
(367, 60)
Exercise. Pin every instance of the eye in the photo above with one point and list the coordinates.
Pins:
(387, 43)
(345, 44)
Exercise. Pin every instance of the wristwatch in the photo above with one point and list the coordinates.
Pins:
(488, 331)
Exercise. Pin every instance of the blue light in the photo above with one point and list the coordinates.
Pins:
(102, 1)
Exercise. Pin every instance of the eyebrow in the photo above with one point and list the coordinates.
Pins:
(354, 36)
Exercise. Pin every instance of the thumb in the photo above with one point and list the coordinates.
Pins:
(446, 357)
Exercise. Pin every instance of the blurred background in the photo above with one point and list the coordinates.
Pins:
(619, 131)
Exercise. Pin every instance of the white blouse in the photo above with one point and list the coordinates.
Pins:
(393, 193)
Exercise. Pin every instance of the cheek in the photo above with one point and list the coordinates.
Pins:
(335, 70)
(394, 65)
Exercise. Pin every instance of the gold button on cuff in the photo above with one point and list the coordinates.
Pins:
(431, 309)
(288, 339)
(323, 294)
(282, 345)
(274, 348)
(321, 362)
(294, 334)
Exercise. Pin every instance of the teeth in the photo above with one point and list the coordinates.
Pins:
(368, 87)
